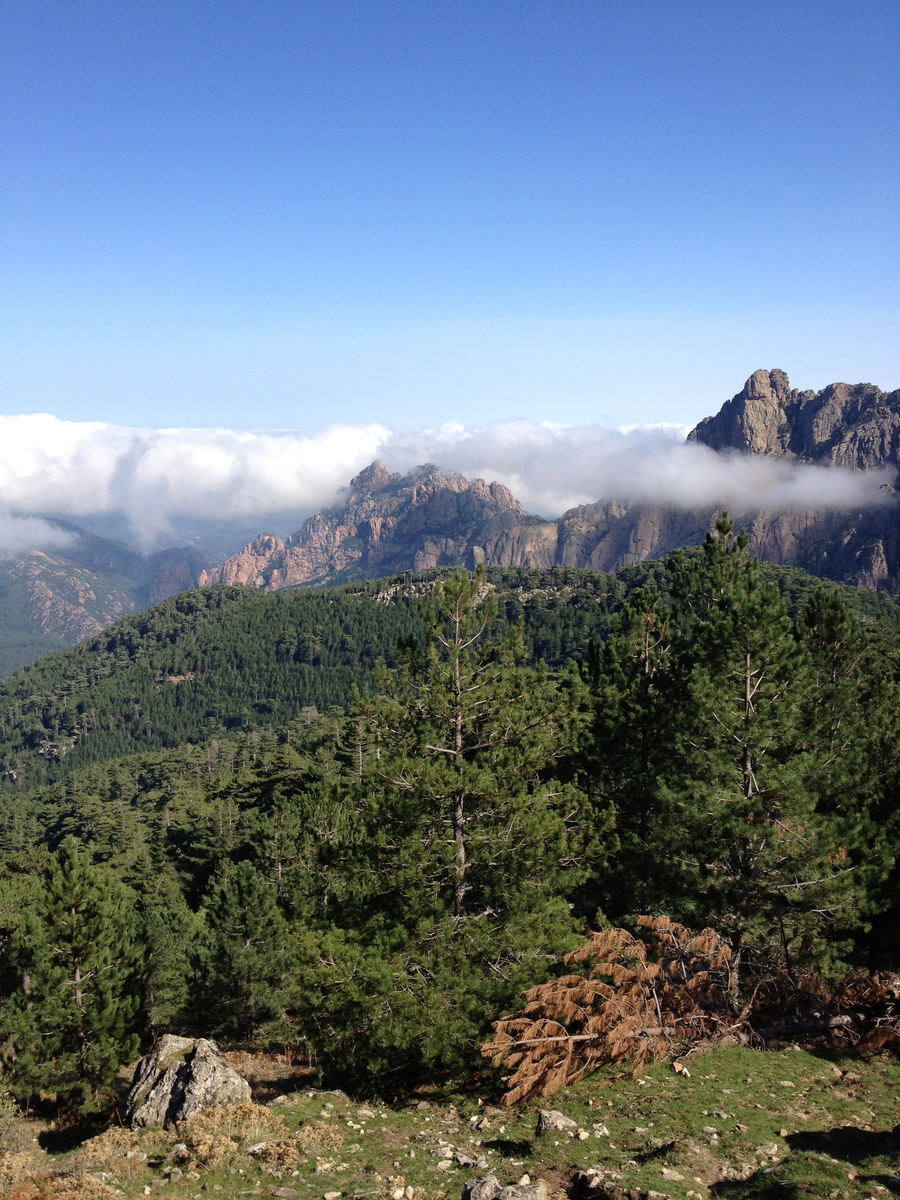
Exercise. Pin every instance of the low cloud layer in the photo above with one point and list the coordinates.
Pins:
(18, 533)
(75, 469)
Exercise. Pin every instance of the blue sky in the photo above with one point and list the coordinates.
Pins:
(256, 213)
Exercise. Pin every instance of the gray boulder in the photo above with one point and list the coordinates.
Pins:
(179, 1078)
(490, 1188)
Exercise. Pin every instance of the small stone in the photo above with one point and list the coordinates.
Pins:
(786, 1083)
(175, 1174)
(710, 1129)
(331, 1196)
(525, 1181)
(672, 1176)
(286, 1193)
(550, 1120)
(600, 1130)
(742, 1128)
(590, 1180)
(784, 1132)
(487, 1188)
(770, 1150)
(462, 1159)
(583, 1135)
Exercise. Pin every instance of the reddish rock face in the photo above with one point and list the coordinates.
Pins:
(389, 523)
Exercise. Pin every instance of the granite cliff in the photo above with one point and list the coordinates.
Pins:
(391, 523)
(844, 425)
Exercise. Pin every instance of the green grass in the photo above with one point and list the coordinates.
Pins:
(733, 1129)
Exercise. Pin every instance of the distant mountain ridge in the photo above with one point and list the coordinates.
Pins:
(429, 518)
(53, 599)
(390, 523)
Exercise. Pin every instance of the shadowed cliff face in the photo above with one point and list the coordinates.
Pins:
(392, 523)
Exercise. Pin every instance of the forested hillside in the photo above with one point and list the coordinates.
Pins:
(376, 875)
(214, 660)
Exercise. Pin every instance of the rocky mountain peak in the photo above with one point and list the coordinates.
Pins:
(372, 478)
(754, 421)
(849, 425)
(387, 523)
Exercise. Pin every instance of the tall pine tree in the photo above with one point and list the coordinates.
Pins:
(74, 1018)
(471, 837)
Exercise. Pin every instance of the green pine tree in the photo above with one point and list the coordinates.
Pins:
(472, 836)
(718, 738)
(244, 962)
(74, 1018)
(457, 769)
(630, 751)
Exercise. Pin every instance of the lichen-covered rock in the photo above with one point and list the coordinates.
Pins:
(179, 1078)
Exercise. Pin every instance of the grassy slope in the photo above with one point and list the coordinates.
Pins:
(733, 1129)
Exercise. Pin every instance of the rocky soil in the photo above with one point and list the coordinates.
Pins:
(740, 1123)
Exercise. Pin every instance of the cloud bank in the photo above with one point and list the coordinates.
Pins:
(152, 475)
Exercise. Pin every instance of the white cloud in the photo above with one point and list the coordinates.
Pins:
(18, 534)
(551, 468)
(53, 466)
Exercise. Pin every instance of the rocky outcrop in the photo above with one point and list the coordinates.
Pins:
(179, 1078)
(389, 523)
(490, 1188)
(845, 425)
(66, 600)
(80, 588)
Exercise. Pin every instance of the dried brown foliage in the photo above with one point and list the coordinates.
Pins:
(62, 1187)
(862, 1011)
(108, 1147)
(217, 1135)
(15, 1169)
(640, 997)
(310, 1140)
